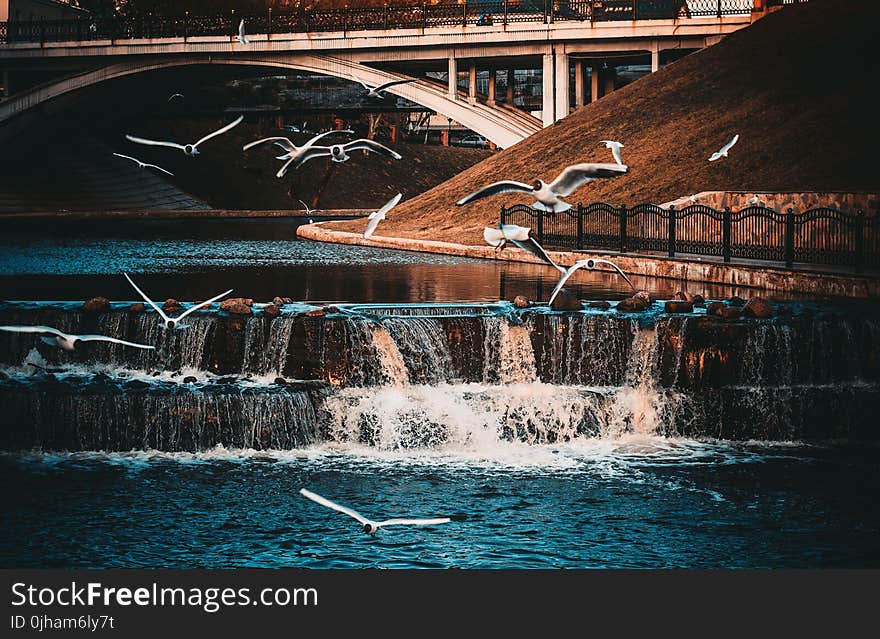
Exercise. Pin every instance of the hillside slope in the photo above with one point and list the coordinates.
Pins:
(796, 86)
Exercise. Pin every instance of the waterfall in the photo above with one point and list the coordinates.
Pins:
(266, 343)
(508, 356)
(421, 342)
(391, 360)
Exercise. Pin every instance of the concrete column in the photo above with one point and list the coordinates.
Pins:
(594, 81)
(561, 85)
(655, 57)
(608, 82)
(491, 95)
(472, 84)
(548, 117)
(453, 77)
(511, 81)
(579, 94)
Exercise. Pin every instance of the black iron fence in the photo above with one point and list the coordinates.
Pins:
(818, 236)
(471, 12)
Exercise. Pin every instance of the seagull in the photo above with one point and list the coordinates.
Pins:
(377, 216)
(753, 200)
(615, 150)
(189, 149)
(376, 92)
(173, 322)
(294, 152)
(241, 37)
(590, 264)
(54, 337)
(308, 210)
(522, 237)
(175, 95)
(339, 152)
(370, 527)
(547, 195)
(722, 152)
(143, 164)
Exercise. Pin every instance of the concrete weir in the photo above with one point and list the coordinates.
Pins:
(404, 376)
(683, 269)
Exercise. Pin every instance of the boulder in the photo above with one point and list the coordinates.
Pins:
(137, 384)
(679, 306)
(736, 301)
(521, 301)
(189, 379)
(280, 381)
(683, 296)
(729, 312)
(566, 302)
(237, 306)
(332, 309)
(714, 308)
(758, 307)
(631, 305)
(644, 297)
(96, 304)
(698, 300)
(281, 301)
(137, 307)
(600, 304)
(171, 304)
(318, 312)
(272, 310)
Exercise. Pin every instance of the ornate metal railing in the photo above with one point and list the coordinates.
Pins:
(821, 236)
(469, 13)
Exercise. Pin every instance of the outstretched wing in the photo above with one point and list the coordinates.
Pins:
(128, 157)
(173, 145)
(413, 522)
(562, 280)
(531, 245)
(147, 299)
(493, 237)
(284, 143)
(241, 32)
(370, 145)
(374, 218)
(311, 142)
(333, 505)
(104, 338)
(727, 147)
(618, 269)
(390, 204)
(361, 82)
(159, 168)
(226, 128)
(577, 174)
(496, 188)
(33, 329)
(203, 304)
(308, 210)
(381, 88)
(303, 157)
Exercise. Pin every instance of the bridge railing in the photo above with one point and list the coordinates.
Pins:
(469, 13)
(819, 236)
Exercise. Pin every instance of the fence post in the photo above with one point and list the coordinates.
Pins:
(725, 234)
(541, 226)
(464, 13)
(860, 241)
(789, 238)
(580, 226)
(671, 231)
(635, 9)
(505, 12)
(545, 10)
(185, 25)
(719, 9)
(622, 238)
(503, 215)
(269, 23)
(42, 32)
(424, 14)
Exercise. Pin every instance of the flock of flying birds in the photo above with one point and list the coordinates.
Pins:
(548, 198)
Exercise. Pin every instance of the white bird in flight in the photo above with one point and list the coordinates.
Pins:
(371, 526)
(143, 165)
(175, 95)
(309, 211)
(547, 196)
(377, 216)
(522, 237)
(340, 152)
(174, 322)
(377, 92)
(590, 264)
(722, 152)
(241, 37)
(615, 150)
(189, 149)
(54, 337)
(294, 152)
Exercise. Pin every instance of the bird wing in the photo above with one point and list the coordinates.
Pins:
(372, 224)
(305, 156)
(147, 299)
(153, 166)
(531, 245)
(496, 188)
(203, 304)
(413, 522)
(493, 237)
(370, 145)
(311, 142)
(175, 95)
(727, 146)
(128, 157)
(562, 280)
(231, 125)
(284, 143)
(382, 87)
(333, 505)
(308, 210)
(104, 338)
(576, 174)
(173, 145)
(615, 151)
(715, 156)
(361, 82)
(390, 204)
(33, 329)
(241, 32)
(618, 269)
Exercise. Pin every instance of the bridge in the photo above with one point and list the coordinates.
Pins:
(569, 43)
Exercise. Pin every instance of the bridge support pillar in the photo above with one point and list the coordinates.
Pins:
(608, 81)
(511, 85)
(548, 103)
(490, 97)
(594, 80)
(561, 85)
(579, 92)
(655, 57)
(472, 84)
(453, 77)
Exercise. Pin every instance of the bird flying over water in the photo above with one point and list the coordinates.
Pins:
(143, 164)
(242, 36)
(590, 264)
(615, 150)
(520, 236)
(189, 149)
(54, 337)
(294, 152)
(548, 196)
(370, 526)
(722, 152)
(309, 211)
(174, 322)
(377, 92)
(340, 152)
(377, 216)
